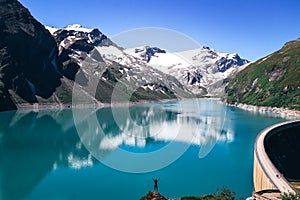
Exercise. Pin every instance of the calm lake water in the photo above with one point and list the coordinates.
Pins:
(194, 147)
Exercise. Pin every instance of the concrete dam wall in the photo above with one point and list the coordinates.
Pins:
(276, 157)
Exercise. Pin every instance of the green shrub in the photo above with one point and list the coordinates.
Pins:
(290, 196)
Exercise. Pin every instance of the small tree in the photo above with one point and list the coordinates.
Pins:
(225, 194)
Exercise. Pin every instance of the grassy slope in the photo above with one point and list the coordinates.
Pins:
(271, 81)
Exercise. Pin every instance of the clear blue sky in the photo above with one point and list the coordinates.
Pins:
(252, 28)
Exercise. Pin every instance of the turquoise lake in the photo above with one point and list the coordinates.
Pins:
(193, 146)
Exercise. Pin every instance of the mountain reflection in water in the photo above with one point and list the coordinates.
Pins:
(32, 144)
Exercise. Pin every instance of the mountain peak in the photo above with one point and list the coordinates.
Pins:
(74, 26)
(234, 56)
(86, 38)
(206, 47)
(78, 27)
(147, 52)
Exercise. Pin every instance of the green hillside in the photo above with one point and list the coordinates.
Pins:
(271, 81)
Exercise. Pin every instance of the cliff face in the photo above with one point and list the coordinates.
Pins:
(28, 56)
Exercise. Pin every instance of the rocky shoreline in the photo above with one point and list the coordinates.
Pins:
(41, 106)
(280, 112)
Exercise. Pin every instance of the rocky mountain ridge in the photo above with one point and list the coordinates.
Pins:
(198, 72)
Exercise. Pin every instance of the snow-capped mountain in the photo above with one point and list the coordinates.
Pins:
(108, 63)
(76, 33)
(202, 70)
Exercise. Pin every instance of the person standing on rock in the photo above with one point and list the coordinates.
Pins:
(155, 184)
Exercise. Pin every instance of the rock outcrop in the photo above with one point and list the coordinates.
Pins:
(153, 196)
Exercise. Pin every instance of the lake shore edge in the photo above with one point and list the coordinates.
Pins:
(281, 112)
(43, 106)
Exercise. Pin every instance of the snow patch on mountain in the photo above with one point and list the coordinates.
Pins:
(51, 29)
(78, 27)
(161, 60)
